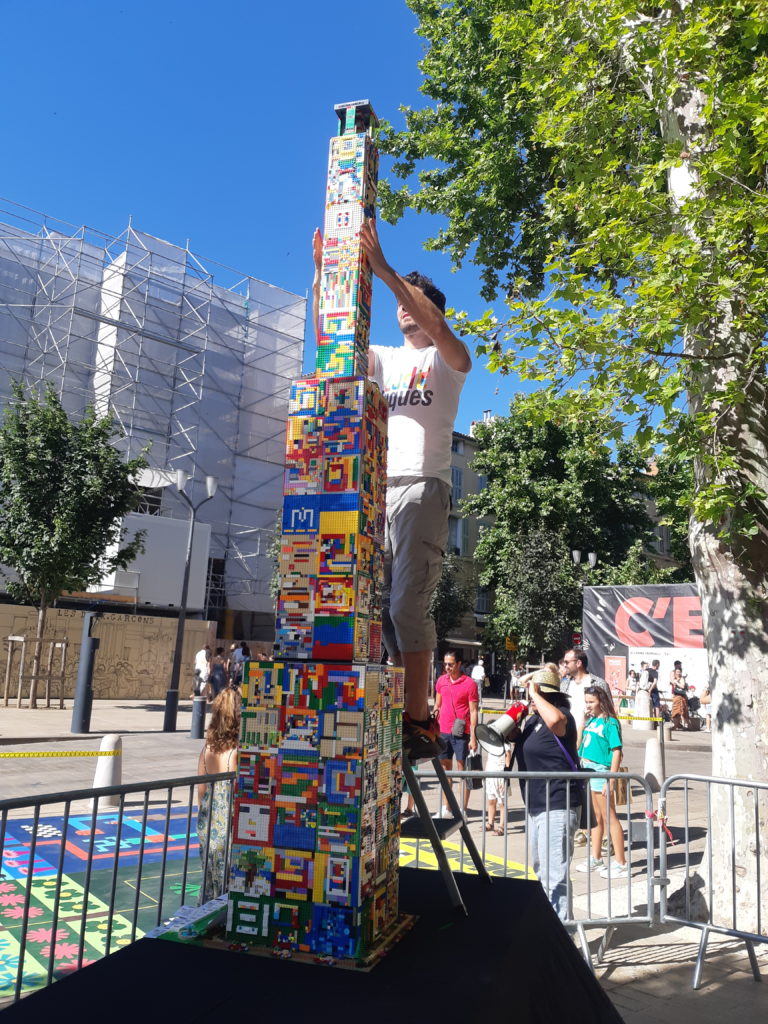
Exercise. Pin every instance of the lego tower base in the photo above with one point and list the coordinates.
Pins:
(366, 962)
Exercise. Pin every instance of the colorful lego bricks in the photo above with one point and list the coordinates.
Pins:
(331, 553)
(315, 835)
(316, 818)
(345, 289)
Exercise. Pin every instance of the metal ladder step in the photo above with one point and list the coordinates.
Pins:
(412, 828)
(424, 826)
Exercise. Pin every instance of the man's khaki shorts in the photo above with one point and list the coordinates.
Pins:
(415, 541)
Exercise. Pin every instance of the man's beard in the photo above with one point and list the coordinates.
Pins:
(410, 327)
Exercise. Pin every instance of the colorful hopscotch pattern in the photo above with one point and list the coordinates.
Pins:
(331, 554)
(315, 841)
(65, 902)
(345, 290)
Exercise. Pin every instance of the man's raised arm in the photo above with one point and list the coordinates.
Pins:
(422, 310)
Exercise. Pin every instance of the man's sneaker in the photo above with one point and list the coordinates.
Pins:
(580, 838)
(616, 870)
(591, 865)
(421, 740)
(407, 813)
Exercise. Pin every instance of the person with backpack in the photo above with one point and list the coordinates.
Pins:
(600, 749)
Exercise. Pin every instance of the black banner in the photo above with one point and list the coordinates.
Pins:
(626, 626)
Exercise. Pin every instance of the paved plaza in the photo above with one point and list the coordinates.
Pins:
(646, 971)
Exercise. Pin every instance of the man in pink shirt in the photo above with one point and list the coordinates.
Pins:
(456, 700)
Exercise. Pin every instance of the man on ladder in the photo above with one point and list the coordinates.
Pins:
(421, 378)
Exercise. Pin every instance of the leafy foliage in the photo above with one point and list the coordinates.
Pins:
(454, 596)
(604, 164)
(556, 471)
(64, 488)
(555, 485)
(539, 599)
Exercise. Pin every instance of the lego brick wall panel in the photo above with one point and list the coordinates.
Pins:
(313, 819)
(334, 502)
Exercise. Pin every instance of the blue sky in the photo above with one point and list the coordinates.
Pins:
(209, 122)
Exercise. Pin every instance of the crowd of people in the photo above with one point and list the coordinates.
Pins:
(215, 670)
(673, 702)
(571, 724)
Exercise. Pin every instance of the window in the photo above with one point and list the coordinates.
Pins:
(454, 535)
(662, 539)
(458, 536)
(483, 601)
(150, 501)
(457, 482)
(457, 446)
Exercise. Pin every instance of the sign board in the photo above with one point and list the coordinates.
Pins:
(625, 626)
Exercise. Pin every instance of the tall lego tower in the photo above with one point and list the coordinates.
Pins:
(315, 839)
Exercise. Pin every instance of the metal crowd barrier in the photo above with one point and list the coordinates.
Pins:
(706, 903)
(161, 871)
(39, 869)
(604, 905)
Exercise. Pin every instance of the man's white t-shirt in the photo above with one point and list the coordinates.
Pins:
(422, 392)
(201, 664)
(478, 674)
(576, 695)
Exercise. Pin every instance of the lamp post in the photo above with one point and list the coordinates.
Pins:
(172, 693)
(591, 558)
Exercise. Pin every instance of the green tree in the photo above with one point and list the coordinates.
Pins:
(64, 488)
(555, 485)
(538, 600)
(454, 596)
(615, 153)
(557, 472)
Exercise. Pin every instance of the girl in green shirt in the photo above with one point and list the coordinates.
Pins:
(601, 749)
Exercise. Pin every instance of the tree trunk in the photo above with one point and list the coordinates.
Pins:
(41, 613)
(736, 631)
(732, 576)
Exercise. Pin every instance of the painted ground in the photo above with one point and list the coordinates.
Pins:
(143, 883)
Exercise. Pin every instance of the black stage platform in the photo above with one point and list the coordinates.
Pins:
(510, 960)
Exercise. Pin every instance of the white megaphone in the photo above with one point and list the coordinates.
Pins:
(491, 737)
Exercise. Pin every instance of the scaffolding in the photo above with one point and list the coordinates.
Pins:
(198, 369)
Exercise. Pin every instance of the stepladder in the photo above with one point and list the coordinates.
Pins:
(437, 830)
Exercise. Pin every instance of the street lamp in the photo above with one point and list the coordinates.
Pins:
(591, 558)
(172, 693)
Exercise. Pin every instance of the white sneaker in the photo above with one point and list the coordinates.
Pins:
(617, 870)
(591, 865)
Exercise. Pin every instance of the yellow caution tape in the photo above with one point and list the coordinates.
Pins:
(64, 753)
(624, 718)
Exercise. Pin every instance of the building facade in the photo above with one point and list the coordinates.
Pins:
(194, 362)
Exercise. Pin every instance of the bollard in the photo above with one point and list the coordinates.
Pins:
(653, 769)
(81, 709)
(642, 710)
(108, 771)
(197, 730)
